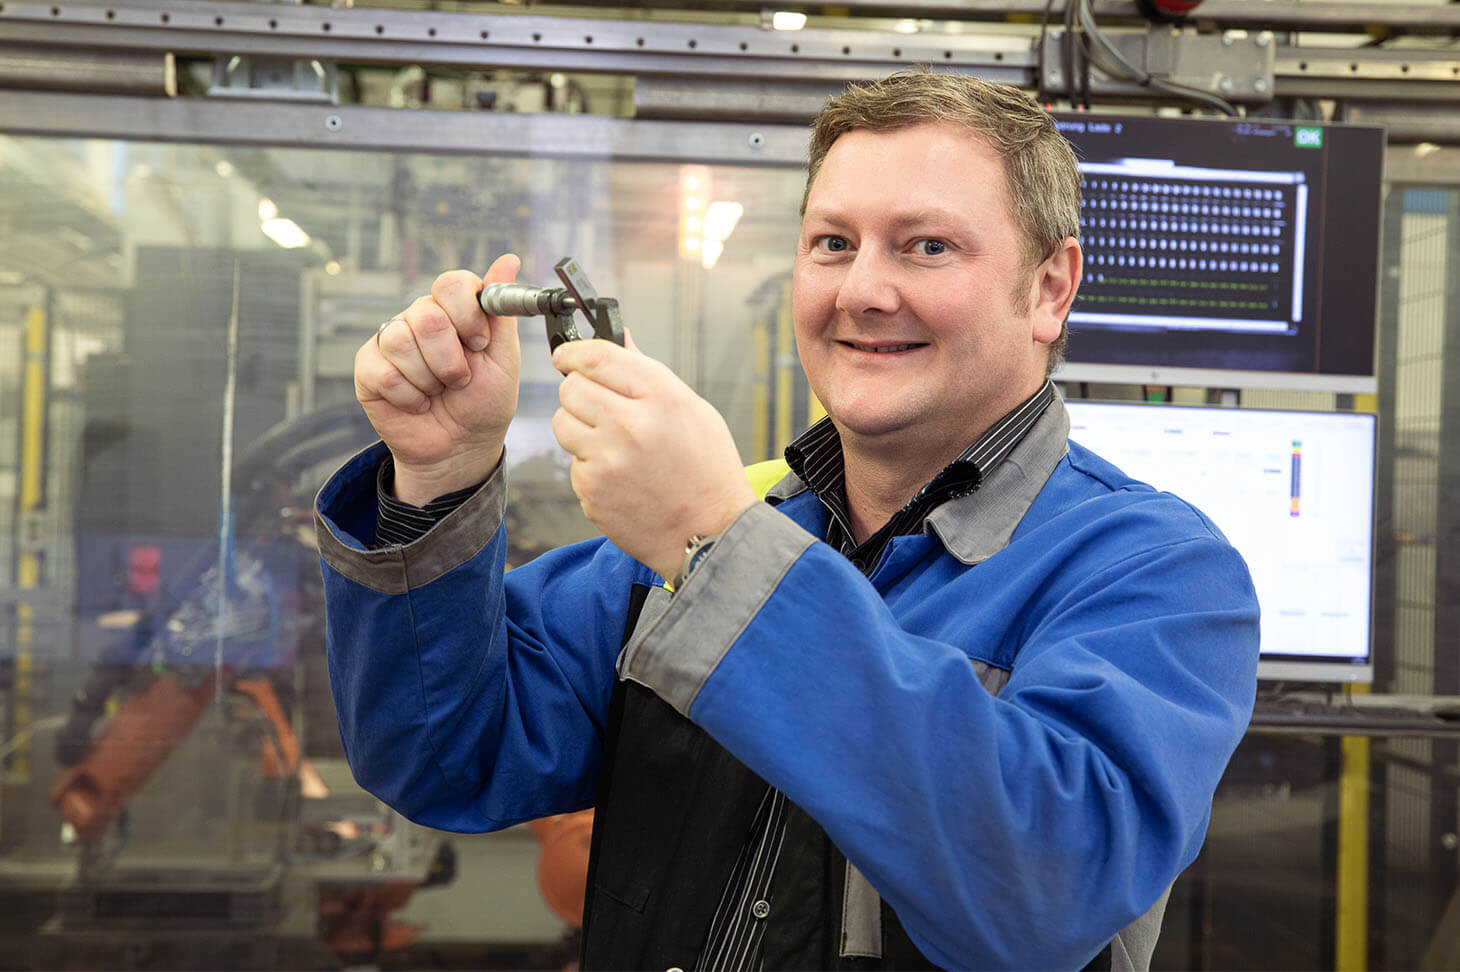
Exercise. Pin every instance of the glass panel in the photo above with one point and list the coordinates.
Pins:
(189, 737)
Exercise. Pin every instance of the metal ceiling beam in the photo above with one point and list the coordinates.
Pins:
(500, 40)
(1317, 15)
(397, 130)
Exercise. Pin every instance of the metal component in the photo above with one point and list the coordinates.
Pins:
(275, 79)
(1200, 61)
(525, 300)
(333, 123)
(387, 129)
(756, 140)
(1449, 842)
(534, 42)
(1261, 86)
(1410, 123)
(728, 98)
(577, 283)
(557, 304)
(123, 72)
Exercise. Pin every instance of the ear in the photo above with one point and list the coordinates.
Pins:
(1056, 282)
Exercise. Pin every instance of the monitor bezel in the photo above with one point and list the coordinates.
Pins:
(1160, 374)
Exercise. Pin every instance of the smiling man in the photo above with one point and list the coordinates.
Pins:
(955, 692)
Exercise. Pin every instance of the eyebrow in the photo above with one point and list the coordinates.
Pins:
(919, 217)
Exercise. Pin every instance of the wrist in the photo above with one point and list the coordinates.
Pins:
(420, 483)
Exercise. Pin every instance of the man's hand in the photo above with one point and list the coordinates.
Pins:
(653, 463)
(439, 383)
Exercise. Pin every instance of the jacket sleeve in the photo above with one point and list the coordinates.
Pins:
(1019, 830)
(467, 700)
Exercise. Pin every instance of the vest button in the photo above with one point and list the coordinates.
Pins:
(761, 908)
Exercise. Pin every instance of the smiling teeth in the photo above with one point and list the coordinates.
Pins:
(886, 350)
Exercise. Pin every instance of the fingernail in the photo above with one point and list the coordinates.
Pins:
(462, 382)
(477, 342)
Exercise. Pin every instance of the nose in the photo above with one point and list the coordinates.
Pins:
(870, 285)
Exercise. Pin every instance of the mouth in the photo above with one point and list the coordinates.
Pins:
(881, 348)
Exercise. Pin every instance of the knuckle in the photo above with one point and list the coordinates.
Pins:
(452, 283)
(454, 370)
(395, 340)
(430, 320)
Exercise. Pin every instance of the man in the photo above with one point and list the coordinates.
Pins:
(957, 693)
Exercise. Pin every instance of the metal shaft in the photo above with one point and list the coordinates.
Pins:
(522, 300)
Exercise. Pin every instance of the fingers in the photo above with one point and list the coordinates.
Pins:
(572, 433)
(421, 346)
(376, 379)
(622, 370)
(586, 400)
(423, 350)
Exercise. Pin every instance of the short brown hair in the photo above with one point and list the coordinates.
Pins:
(1039, 164)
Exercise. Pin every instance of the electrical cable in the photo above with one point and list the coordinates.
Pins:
(18, 740)
(1067, 51)
(1112, 62)
(1039, 89)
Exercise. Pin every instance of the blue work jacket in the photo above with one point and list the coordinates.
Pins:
(1013, 728)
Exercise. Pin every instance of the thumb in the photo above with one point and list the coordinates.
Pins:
(503, 269)
(500, 330)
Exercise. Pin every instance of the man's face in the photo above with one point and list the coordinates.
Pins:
(914, 307)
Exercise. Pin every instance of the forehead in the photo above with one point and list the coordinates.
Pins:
(936, 165)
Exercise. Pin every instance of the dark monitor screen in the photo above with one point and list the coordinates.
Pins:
(1292, 491)
(1214, 247)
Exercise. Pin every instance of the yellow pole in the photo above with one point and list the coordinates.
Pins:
(32, 492)
(1351, 946)
(760, 393)
(785, 371)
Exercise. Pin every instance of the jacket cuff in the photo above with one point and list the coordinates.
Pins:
(678, 653)
(457, 538)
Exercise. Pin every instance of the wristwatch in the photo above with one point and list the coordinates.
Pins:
(695, 550)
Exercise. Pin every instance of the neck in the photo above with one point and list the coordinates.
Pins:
(884, 471)
(881, 477)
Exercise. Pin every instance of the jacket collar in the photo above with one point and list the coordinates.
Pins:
(978, 525)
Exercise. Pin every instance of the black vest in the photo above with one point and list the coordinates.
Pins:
(674, 811)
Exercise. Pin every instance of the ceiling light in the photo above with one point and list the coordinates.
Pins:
(720, 219)
(267, 210)
(224, 168)
(285, 232)
(787, 20)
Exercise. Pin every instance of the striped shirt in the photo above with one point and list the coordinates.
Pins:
(737, 932)
(399, 523)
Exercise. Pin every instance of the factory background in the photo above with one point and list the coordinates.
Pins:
(206, 207)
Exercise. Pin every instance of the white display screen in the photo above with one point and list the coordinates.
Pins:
(1292, 491)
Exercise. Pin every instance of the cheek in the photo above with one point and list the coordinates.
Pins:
(813, 300)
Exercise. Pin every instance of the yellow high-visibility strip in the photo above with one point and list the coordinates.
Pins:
(33, 414)
(1351, 945)
(32, 486)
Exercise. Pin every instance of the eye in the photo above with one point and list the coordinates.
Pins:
(932, 247)
(832, 244)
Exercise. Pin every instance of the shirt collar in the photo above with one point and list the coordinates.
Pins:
(975, 526)
(816, 455)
